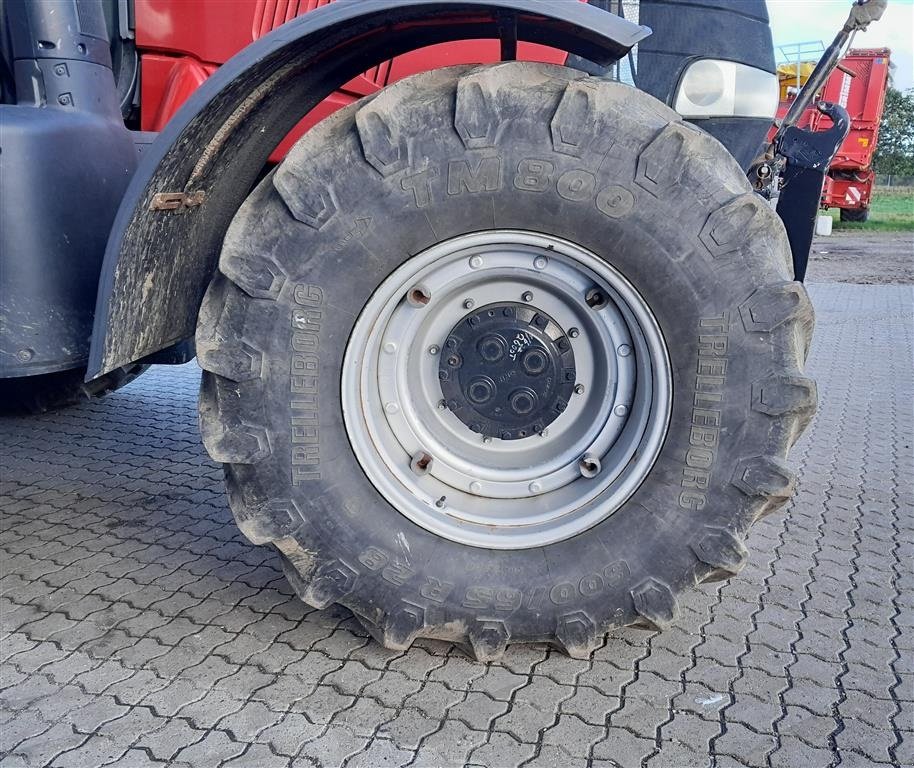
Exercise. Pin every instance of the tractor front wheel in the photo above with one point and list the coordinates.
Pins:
(504, 354)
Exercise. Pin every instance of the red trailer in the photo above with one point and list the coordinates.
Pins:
(859, 85)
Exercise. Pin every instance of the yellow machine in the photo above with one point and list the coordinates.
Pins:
(793, 76)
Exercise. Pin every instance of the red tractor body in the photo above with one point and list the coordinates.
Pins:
(181, 44)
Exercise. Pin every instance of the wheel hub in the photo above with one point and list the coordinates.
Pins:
(507, 371)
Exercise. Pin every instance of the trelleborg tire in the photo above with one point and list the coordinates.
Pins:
(348, 259)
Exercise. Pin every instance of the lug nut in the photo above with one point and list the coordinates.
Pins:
(527, 296)
(475, 487)
(390, 347)
(421, 463)
(620, 410)
(434, 349)
(475, 262)
(624, 350)
(589, 465)
(535, 487)
(540, 262)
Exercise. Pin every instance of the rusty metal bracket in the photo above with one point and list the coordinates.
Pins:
(176, 201)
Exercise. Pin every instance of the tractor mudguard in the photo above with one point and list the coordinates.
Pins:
(169, 228)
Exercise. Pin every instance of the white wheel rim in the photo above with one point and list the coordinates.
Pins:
(519, 493)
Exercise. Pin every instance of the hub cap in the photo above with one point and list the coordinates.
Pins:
(507, 371)
(506, 389)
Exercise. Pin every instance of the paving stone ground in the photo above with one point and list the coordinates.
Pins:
(137, 627)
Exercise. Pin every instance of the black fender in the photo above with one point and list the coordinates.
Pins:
(168, 231)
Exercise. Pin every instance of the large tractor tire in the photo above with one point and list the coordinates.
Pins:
(504, 354)
(53, 391)
(856, 215)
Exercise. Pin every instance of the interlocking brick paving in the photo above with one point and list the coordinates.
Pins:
(140, 629)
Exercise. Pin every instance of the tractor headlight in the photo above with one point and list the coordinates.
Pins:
(713, 88)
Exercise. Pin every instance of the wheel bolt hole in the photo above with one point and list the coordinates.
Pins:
(421, 463)
(589, 466)
(418, 296)
(596, 299)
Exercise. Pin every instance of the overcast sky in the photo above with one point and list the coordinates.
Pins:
(797, 21)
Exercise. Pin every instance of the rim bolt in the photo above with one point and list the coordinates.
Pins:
(579, 389)
(434, 349)
(487, 439)
(624, 350)
(475, 487)
(540, 262)
(421, 463)
(535, 487)
(527, 296)
(573, 333)
(391, 408)
(441, 502)
(620, 410)
(595, 298)
(418, 296)
(469, 304)
(442, 405)
(475, 262)
(544, 433)
(589, 465)
(390, 347)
